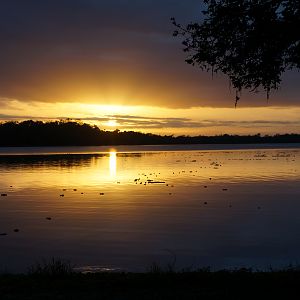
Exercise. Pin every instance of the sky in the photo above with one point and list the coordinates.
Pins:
(115, 63)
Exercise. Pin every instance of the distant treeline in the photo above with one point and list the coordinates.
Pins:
(71, 133)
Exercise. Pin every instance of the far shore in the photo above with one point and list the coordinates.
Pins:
(70, 133)
(90, 150)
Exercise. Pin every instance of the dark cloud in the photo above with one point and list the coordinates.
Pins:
(159, 123)
(131, 122)
(129, 117)
(83, 50)
(5, 117)
(140, 122)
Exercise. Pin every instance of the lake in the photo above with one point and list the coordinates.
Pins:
(123, 208)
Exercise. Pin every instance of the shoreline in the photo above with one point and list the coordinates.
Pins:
(94, 150)
(239, 284)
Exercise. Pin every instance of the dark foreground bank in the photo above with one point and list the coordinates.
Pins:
(242, 284)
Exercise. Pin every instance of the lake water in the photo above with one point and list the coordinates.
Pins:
(127, 207)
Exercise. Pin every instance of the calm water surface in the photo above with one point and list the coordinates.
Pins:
(125, 210)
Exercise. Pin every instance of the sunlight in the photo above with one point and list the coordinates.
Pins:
(111, 123)
(113, 163)
(191, 121)
(106, 109)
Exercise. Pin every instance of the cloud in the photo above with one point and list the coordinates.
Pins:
(141, 122)
(7, 117)
(128, 121)
(248, 124)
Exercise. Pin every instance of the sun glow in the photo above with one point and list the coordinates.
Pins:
(160, 120)
(97, 109)
(112, 123)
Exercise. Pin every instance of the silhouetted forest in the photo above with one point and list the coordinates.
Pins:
(71, 133)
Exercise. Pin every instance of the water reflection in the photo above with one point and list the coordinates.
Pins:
(113, 163)
(218, 208)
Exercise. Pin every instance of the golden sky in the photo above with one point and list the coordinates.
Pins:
(115, 64)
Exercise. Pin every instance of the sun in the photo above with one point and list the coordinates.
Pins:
(112, 123)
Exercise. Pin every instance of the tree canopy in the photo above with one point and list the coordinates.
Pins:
(253, 42)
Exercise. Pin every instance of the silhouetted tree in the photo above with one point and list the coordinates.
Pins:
(70, 133)
(251, 41)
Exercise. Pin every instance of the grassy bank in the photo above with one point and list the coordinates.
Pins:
(201, 284)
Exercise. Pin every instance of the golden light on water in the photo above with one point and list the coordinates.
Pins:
(114, 166)
(113, 163)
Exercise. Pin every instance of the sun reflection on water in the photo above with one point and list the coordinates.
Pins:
(113, 163)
